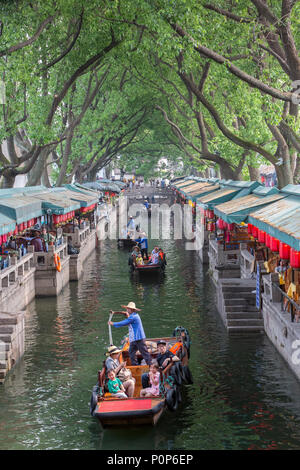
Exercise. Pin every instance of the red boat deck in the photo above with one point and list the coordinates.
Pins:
(130, 404)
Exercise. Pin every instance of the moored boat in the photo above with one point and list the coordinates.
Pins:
(126, 242)
(111, 411)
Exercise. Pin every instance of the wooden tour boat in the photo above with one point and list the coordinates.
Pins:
(112, 411)
(126, 242)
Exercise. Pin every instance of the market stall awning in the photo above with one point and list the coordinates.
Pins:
(195, 186)
(237, 210)
(56, 202)
(21, 208)
(186, 183)
(6, 224)
(230, 190)
(102, 186)
(193, 195)
(282, 218)
(85, 198)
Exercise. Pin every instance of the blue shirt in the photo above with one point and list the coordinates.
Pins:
(143, 242)
(135, 327)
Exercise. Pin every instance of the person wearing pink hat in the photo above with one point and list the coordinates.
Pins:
(137, 335)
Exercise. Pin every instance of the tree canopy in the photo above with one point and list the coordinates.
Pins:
(205, 83)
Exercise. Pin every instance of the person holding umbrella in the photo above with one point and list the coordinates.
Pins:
(137, 335)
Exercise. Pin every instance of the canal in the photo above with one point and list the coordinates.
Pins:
(243, 396)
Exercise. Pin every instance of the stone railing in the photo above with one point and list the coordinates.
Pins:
(220, 257)
(46, 259)
(247, 262)
(17, 269)
(79, 235)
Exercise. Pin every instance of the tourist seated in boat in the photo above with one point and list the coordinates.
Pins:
(139, 260)
(154, 256)
(135, 253)
(162, 256)
(154, 379)
(115, 386)
(112, 363)
(164, 358)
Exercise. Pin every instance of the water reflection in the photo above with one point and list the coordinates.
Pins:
(243, 395)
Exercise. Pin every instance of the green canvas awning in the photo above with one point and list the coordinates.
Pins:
(53, 202)
(195, 186)
(21, 208)
(86, 199)
(282, 218)
(231, 190)
(202, 192)
(186, 183)
(237, 210)
(209, 201)
(6, 224)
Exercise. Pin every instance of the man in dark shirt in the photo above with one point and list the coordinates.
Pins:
(165, 356)
(37, 242)
(163, 360)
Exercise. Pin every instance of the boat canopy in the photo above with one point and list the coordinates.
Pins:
(282, 218)
(237, 210)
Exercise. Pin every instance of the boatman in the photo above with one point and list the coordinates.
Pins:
(136, 333)
(143, 241)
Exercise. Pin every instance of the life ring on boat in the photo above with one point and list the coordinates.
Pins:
(178, 393)
(171, 399)
(175, 372)
(94, 399)
(57, 262)
(187, 375)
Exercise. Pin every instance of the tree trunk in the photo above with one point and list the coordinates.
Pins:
(35, 175)
(254, 173)
(284, 176)
(7, 181)
(228, 173)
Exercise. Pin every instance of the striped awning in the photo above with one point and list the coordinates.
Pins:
(280, 220)
(237, 210)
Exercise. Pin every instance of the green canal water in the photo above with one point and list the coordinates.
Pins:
(243, 396)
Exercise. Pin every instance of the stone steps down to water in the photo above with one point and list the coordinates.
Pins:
(239, 308)
(12, 334)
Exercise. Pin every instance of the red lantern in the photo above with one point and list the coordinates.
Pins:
(284, 250)
(267, 242)
(16, 231)
(261, 236)
(221, 224)
(211, 226)
(295, 258)
(254, 231)
(274, 244)
(210, 214)
(250, 228)
(230, 227)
